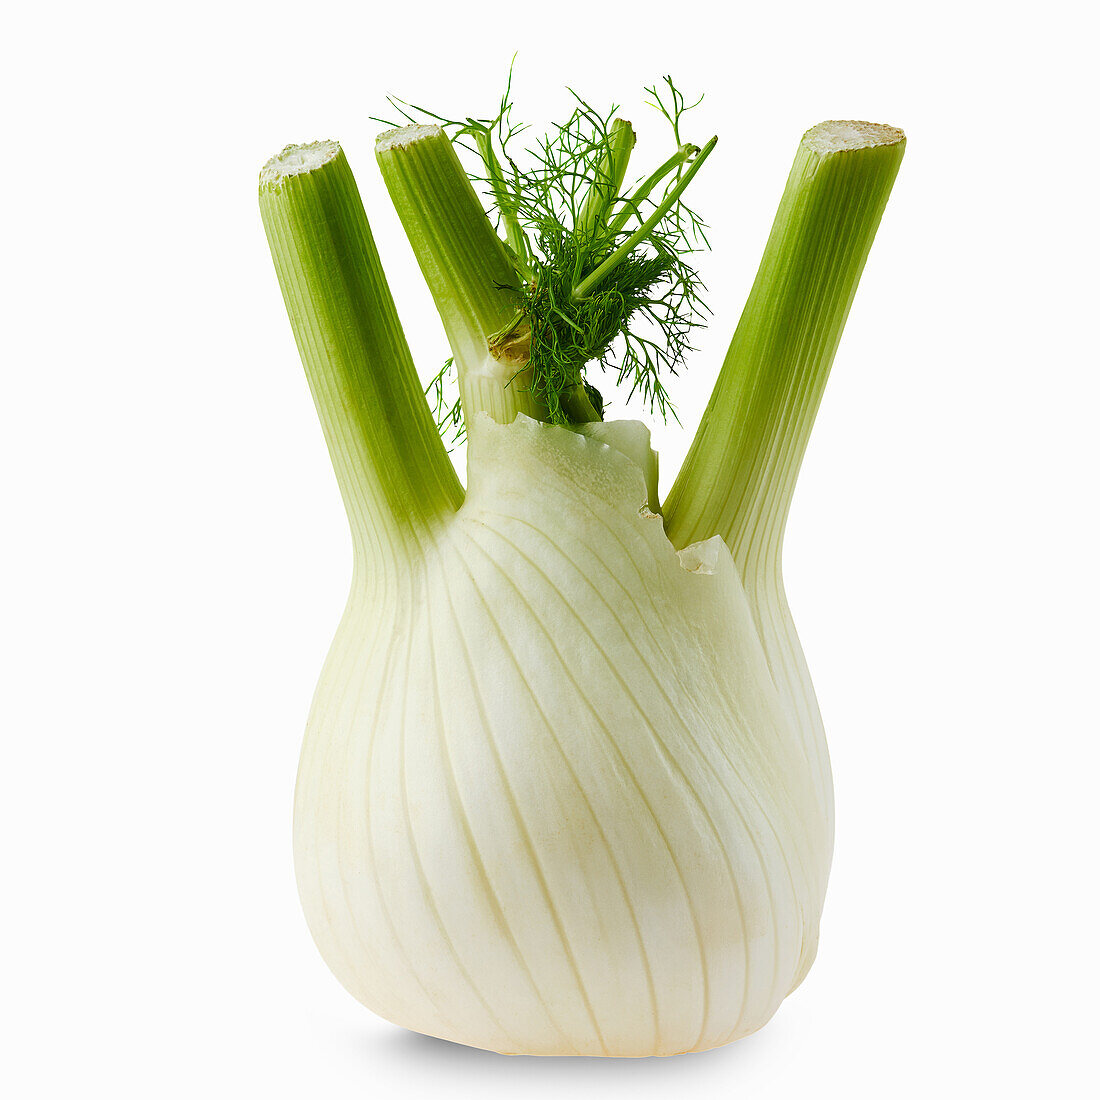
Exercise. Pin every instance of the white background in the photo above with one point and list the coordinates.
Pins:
(176, 556)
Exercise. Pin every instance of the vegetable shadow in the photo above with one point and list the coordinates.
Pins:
(428, 1052)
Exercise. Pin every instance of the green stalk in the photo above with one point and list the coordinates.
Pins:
(633, 204)
(590, 225)
(594, 278)
(463, 262)
(506, 204)
(739, 475)
(579, 408)
(394, 475)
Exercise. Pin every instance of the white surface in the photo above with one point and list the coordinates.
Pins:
(176, 559)
(296, 159)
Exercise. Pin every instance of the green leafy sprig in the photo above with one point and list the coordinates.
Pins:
(603, 272)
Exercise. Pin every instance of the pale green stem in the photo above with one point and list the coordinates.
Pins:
(643, 231)
(579, 408)
(463, 262)
(393, 472)
(739, 475)
(506, 203)
(633, 204)
(590, 228)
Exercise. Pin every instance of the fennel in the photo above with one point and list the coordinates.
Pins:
(565, 787)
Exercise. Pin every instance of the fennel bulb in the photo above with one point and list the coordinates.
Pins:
(564, 787)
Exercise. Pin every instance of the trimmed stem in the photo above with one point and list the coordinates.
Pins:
(643, 231)
(393, 472)
(463, 262)
(739, 474)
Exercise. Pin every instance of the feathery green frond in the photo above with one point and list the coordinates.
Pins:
(603, 271)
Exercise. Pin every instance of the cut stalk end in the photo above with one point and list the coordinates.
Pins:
(403, 136)
(295, 160)
(837, 137)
